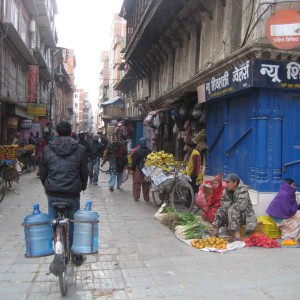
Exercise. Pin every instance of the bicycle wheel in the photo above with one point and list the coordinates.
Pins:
(182, 197)
(105, 167)
(157, 198)
(63, 280)
(3, 184)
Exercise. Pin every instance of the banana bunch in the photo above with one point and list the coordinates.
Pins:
(160, 159)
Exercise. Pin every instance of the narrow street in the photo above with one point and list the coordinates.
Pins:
(138, 257)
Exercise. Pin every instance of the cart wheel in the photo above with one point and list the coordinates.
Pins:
(182, 197)
(3, 184)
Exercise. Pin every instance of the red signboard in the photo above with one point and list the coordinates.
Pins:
(283, 29)
(33, 83)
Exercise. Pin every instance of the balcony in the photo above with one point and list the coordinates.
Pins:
(44, 17)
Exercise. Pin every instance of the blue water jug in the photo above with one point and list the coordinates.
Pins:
(38, 233)
(85, 236)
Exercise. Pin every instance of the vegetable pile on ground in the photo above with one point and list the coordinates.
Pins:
(289, 242)
(185, 224)
(210, 242)
(260, 240)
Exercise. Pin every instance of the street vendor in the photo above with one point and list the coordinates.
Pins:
(236, 208)
(284, 210)
(214, 198)
(193, 168)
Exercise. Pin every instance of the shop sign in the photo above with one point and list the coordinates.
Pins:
(44, 121)
(12, 122)
(229, 82)
(276, 74)
(37, 109)
(25, 124)
(256, 73)
(33, 82)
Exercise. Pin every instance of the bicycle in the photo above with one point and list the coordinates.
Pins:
(176, 191)
(6, 177)
(62, 251)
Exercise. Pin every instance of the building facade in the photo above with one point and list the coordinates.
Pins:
(36, 77)
(206, 70)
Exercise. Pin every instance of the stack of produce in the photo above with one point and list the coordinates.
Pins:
(161, 160)
(191, 230)
(29, 147)
(8, 152)
(260, 240)
(210, 242)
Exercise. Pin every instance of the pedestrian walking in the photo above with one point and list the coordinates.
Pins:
(138, 159)
(116, 154)
(94, 154)
(64, 174)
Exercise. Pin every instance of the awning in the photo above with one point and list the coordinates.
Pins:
(115, 101)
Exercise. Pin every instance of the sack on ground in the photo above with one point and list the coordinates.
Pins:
(125, 175)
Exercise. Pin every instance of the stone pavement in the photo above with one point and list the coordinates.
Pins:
(138, 257)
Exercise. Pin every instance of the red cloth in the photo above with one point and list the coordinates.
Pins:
(213, 203)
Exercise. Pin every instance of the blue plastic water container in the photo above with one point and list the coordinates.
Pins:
(85, 236)
(38, 233)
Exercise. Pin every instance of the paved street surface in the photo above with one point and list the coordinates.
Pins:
(138, 257)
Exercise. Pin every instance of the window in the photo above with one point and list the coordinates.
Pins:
(24, 29)
(13, 75)
(14, 14)
(22, 89)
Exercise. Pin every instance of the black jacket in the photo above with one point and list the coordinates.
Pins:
(95, 150)
(139, 157)
(63, 169)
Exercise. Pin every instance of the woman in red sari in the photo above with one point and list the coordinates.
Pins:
(213, 202)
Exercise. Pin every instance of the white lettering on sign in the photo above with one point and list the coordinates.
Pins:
(293, 70)
(240, 74)
(285, 29)
(221, 82)
(271, 71)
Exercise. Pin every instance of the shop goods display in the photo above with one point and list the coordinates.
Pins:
(9, 152)
(160, 159)
(260, 240)
(289, 242)
(209, 242)
(185, 225)
(268, 227)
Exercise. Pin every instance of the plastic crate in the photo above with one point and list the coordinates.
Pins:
(269, 227)
(264, 225)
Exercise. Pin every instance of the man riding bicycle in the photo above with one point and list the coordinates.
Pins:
(64, 174)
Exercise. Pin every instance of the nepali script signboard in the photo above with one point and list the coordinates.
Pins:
(255, 73)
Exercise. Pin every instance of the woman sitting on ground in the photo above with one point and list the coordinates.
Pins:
(284, 210)
(213, 202)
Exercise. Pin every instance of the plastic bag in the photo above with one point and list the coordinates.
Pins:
(125, 175)
(200, 200)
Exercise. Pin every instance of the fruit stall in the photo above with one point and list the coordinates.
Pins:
(8, 161)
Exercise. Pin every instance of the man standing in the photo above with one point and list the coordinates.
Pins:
(94, 154)
(193, 168)
(236, 208)
(82, 141)
(138, 159)
(64, 174)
